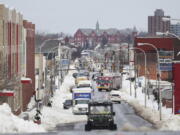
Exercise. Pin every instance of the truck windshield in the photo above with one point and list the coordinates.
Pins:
(103, 81)
(81, 102)
(100, 110)
(84, 85)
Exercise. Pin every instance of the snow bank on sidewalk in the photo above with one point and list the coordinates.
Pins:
(52, 116)
(9, 123)
(151, 112)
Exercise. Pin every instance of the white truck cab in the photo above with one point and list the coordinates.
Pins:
(81, 97)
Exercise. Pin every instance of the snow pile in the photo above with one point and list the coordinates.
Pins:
(32, 103)
(55, 115)
(151, 112)
(9, 123)
(130, 127)
(172, 123)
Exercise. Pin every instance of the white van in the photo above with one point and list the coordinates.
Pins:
(81, 97)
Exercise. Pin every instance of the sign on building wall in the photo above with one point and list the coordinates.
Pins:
(166, 66)
(165, 60)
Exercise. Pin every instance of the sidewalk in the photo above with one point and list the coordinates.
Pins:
(151, 113)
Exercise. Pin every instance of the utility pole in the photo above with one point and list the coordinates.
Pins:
(135, 75)
(129, 70)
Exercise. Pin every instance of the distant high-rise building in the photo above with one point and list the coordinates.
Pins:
(155, 23)
(175, 28)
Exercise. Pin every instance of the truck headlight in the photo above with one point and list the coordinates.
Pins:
(110, 119)
(91, 120)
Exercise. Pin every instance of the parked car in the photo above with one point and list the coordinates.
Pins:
(124, 73)
(166, 93)
(74, 75)
(67, 104)
(115, 96)
(100, 115)
(96, 75)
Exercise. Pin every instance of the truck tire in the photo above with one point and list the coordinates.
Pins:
(99, 89)
(87, 127)
(113, 126)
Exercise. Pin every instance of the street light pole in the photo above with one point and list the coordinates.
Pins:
(51, 88)
(158, 75)
(145, 70)
(40, 74)
(129, 69)
(40, 51)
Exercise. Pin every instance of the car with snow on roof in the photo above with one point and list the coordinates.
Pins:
(115, 96)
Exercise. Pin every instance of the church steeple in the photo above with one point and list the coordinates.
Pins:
(134, 31)
(97, 26)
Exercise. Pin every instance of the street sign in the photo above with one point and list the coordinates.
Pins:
(64, 62)
(166, 66)
(165, 60)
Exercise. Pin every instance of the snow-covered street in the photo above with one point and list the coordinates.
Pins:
(57, 119)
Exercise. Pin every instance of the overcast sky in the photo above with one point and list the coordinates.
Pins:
(69, 15)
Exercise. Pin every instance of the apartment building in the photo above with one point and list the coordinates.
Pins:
(15, 50)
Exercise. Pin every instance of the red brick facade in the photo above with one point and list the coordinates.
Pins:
(82, 36)
(28, 89)
(165, 44)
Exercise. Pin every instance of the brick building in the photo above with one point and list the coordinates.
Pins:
(28, 89)
(165, 48)
(14, 40)
(92, 37)
(155, 23)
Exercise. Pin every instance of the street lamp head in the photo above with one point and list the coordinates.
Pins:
(160, 33)
(165, 19)
(140, 44)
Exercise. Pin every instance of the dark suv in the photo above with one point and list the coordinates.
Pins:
(67, 104)
(100, 116)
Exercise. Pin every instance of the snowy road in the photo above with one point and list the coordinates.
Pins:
(125, 118)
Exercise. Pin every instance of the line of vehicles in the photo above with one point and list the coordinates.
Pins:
(82, 93)
(100, 113)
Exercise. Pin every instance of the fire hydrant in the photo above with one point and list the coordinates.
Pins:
(37, 118)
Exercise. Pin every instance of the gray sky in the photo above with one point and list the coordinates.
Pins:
(69, 15)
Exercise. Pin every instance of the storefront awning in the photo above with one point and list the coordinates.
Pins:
(26, 80)
(6, 93)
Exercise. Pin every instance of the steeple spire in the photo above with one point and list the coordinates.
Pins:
(97, 26)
